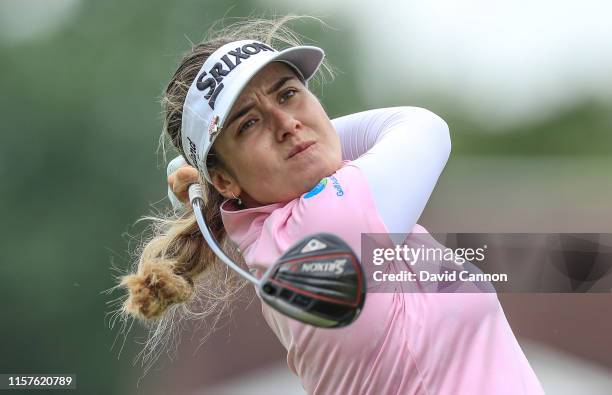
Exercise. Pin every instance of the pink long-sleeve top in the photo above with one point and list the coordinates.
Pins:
(402, 343)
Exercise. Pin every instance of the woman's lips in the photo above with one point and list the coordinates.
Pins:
(299, 148)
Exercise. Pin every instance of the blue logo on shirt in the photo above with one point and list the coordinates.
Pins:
(321, 186)
(318, 188)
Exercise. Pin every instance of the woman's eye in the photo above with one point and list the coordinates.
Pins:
(246, 125)
(286, 95)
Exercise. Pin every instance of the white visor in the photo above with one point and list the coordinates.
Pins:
(219, 83)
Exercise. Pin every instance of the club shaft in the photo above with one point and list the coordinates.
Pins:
(197, 209)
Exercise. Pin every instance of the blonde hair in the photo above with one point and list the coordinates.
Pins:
(177, 276)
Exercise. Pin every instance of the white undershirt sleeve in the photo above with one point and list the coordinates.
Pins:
(402, 151)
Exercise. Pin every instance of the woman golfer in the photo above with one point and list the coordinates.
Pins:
(276, 169)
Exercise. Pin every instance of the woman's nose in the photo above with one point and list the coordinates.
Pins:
(284, 124)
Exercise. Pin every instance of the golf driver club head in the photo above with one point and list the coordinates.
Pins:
(318, 281)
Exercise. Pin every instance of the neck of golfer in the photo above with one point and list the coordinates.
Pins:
(249, 202)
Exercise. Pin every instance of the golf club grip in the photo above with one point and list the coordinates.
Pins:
(176, 164)
(173, 166)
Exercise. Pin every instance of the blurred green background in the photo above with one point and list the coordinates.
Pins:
(80, 84)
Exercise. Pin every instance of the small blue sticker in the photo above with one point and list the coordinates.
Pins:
(318, 188)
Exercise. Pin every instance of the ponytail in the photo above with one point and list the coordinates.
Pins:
(174, 259)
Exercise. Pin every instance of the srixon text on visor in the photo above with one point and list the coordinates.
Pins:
(216, 73)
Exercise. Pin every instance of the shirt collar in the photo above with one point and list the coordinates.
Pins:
(243, 226)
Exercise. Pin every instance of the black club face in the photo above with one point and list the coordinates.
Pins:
(318, 281)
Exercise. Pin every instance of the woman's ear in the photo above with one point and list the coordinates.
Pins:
(225, 183)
